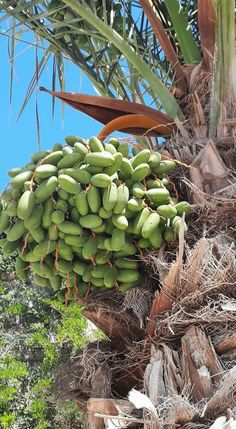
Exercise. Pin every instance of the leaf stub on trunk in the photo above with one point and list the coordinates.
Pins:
(161, 34)
(201, 364)
(206, 22)
(116, 326)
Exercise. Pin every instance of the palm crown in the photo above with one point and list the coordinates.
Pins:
(152, 52)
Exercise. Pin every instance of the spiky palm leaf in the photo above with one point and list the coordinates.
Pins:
(87, 47)
(121, 45)
(82, 41)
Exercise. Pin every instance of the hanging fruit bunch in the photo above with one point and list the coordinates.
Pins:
(79, 214)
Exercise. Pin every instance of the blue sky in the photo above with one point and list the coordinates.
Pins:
(19, 138)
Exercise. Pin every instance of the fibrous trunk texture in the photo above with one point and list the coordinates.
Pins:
(174, 338)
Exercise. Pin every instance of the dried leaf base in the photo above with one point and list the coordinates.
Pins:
(176, 343)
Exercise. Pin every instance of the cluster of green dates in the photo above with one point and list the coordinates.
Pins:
(80, 215)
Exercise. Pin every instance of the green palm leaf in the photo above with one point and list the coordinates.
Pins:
(167, 100)
(76, 40)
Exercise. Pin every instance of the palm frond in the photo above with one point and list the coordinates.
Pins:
(183, 32)
(162, 36)
(11, 52)
(137, 51)
(38, 69)
(167, 100)
(76, 40)
(41, 64)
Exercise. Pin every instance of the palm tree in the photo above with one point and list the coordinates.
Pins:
(177, 57)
